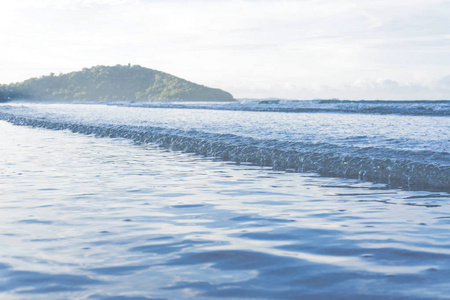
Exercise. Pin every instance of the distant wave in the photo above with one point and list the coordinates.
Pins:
(419, 107)
(406, 169)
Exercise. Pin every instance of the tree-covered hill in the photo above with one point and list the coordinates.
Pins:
(116, 83)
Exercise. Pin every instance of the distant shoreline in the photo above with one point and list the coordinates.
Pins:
(112, 83)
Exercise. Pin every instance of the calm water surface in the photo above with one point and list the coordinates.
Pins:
(83, 217)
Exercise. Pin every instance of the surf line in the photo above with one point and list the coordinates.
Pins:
(398, 173)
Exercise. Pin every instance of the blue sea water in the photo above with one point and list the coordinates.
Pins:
(211, 201)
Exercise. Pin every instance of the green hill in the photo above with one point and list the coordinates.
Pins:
(117, 83)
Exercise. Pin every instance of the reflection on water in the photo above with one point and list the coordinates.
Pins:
(97, 218)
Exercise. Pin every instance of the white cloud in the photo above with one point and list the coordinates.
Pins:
(444, 84)
(264, 48)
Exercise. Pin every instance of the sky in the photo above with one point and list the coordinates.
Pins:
(290, 49)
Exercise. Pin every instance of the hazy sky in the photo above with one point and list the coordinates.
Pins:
(297, 49)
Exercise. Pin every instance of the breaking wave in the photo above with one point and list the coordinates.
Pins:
(398, 168)
(413, 108)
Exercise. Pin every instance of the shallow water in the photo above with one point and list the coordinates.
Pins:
(397, 132)
(83, 217)
(400, 150)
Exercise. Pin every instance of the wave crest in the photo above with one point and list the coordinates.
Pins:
(327, 160)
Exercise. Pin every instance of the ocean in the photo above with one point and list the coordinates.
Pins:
(271, 199)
